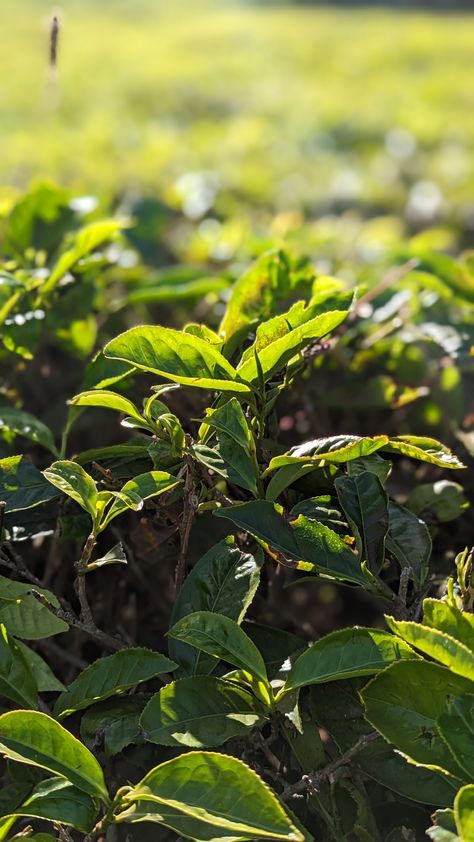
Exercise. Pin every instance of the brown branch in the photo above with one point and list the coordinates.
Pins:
(313, 781)
(189, 511)
(70, 618)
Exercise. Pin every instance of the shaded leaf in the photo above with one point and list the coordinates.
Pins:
(404, 702)
(17, 681)
(111, 675)
(409, 540)
(22, 485)
(115, 723)
(57, 800)
(456, 726)
(23, 424)
(365, 504)
(23, 615)
(199, 712)
(308, 545)
(223, 581)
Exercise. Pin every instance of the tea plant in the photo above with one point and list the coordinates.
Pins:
(356, 736)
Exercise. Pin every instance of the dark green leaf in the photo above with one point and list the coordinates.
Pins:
(404, 702)
(456, 726)
(114, 723)
(308, 545)
(45, 679)
(22, 485)
(409, 540)
(111, 675)
(23, 615)
(223, 581)
(23, 424)
(365, 504)
(445, 499)
(199, 712)
(17, 681)
(57, 800)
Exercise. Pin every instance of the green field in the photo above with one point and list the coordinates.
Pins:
(215, 104)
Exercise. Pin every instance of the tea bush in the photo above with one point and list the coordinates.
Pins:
(180, 502)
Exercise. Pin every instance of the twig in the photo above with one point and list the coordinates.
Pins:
(80, 583)
(394, 275)
(405, 575)
(70, 618)
(189, 510)
(53, 42)
(312, 781)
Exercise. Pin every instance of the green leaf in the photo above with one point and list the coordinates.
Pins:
(221, 637)
(437, 645)
(199, 712)
(111, 675)
(334, 449)
(444, 829)
(254, 297)
(373, 463)
(346, 654)
(286, 476)
(107, 400)
(404, 702)
(450, 619)
(114, 723)
(336, 708)
(74, 481)
(277, 354)
(445, 499)
(456, 726)
(309, 545)
(16, 679)
(236, 444)
(86, 241)
(464, 812)
(133, 494)
(409, 540)
(180, 357)
(278, 648)
(425, 450)
(207, 796)
(224, 581)
(365, 504)
(23, 424)
(22, 486)
(36, 739)
(57, 800)
(23, 615)
(45, 679)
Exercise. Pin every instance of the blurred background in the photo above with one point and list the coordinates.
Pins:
(258, 113)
